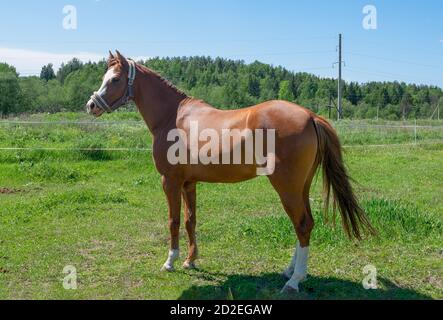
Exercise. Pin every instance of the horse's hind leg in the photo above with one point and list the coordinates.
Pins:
(303, 225)
(295, 201)
(189, 197)
(306, 190)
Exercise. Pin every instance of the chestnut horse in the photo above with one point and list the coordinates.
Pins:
(303, 143)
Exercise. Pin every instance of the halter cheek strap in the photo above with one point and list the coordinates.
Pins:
(129, 93)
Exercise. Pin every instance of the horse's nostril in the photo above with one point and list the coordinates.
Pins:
(90, 106)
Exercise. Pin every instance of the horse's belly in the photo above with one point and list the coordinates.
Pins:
(223, 173)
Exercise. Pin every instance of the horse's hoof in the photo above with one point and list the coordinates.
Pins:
(189, 265)
(167, 268)
(292, 285)
(287, 274)
(289, 289)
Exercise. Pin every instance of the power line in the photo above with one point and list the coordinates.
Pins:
(375, 44)
(279, 53)
(376, 72)
(395, 60)
(384, 75)
(187, 40)
(315, 68)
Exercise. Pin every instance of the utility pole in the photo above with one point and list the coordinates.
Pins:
(438, 112)
(340, 91)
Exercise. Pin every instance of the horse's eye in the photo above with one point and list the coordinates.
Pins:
(115, 80)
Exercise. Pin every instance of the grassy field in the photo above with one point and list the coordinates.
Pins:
(105, 213)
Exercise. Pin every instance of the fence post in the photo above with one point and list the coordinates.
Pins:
(415, 131)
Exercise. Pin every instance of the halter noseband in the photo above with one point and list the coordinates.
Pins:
(129, 94)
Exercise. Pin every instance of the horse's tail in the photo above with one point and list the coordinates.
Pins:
(335, 176)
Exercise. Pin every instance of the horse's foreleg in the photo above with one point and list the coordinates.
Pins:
(172, 190)
(189, 197)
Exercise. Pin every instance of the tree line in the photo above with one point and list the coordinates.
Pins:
(222, 82)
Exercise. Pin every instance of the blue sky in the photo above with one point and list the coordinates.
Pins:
(300, 35)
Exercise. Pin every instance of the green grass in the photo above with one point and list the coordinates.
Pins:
(105, 213)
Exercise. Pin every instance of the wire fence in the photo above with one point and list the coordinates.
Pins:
(79, 123)
(353, 135)
(437, 142)
(135, 122)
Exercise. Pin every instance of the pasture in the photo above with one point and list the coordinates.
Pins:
(104, 212)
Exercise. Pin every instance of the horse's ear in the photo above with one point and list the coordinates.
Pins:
(120, 56)
(122, 59)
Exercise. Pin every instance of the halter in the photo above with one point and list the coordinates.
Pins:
(129, 93)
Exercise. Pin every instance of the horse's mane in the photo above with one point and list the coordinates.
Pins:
(169, 84)
(163, 80)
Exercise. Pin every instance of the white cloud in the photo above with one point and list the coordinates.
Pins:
(30, 62)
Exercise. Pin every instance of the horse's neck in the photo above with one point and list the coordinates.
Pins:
(157, 101)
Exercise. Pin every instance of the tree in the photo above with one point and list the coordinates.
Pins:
(405, 105)
(382, 97)
(47, 72)
(10, 94)
(33, 93)
(79, 85)
(285, 92)
(66, 69)
(308, 90)
(254, 86)
(6, 68)
(353, 93)
(222, 82)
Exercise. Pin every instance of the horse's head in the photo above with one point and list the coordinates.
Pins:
(117, 86)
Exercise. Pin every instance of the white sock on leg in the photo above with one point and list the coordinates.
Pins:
(290, 269)
(301, 268)
(172, 257)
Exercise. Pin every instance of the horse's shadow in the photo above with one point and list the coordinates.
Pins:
(267, 287)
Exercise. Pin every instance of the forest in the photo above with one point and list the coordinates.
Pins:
(225, 83)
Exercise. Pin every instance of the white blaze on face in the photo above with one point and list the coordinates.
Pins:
(111, 73)
(102, 91)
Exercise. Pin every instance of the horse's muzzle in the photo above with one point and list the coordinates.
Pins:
(93, 110)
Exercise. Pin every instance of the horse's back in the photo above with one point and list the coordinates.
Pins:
(284, 116)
